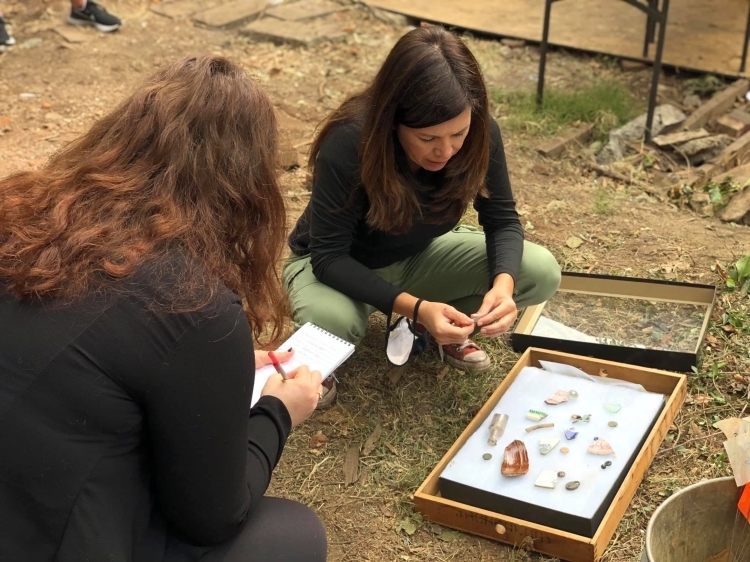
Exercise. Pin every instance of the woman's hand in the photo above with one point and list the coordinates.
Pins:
(497, 313)
(300, 394)
(445, 323)
(262, 359)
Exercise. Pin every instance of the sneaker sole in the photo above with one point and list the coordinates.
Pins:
(469, 366)
(327, 400)
(101, 27)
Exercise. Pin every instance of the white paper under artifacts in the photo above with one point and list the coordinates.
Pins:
(548, 328)
(529, 390)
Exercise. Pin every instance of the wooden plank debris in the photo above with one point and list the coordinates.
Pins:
(716, 106)
(555, 147)
(300, 11)
(372, 440)
(663, 141)
(298, 34)
(231, 15)
(736, 124)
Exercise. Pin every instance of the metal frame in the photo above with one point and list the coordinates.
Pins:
(654, 16)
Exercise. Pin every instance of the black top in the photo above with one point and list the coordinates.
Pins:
(109, 408)
(343, 249)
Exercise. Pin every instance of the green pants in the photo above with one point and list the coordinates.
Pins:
(453, 269)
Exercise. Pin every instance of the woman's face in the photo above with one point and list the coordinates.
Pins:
(431, 147)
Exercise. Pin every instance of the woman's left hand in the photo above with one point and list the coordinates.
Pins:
(262, 359)
(497, 313)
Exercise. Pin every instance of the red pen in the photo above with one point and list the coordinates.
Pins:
(277, 365)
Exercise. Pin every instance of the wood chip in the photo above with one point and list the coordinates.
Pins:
(678, 138)
(369, 445)
(574, 135)
(390, 447)
(351, 465)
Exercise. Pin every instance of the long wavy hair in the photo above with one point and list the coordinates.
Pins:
(429, 77)
(186, 164)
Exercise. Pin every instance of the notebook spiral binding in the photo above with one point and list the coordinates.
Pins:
(326, 332)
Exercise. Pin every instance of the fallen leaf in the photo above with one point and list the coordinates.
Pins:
(573, 242)
(666, 339)
(351, 465)
(332, 416)
(528, 226)
(739, 378)
(443, 372)
(407, 526)
(369, 445)
(729, 329)
(713, 340)
(701, 399)
(318, 440)
(448, 536)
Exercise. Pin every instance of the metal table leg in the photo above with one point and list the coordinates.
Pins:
(543, 52)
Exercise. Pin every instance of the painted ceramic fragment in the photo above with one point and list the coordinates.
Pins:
(547, 479)
(546, 444)
(561, 474)
(585, 418)
(557, 398)
(486, 456)
(600, 447)
(497, 428)
(535, 415)
(539, 426)
(573, 394)
(515, 459)
(612, 407)
(564, 450)
(612, 424)
(572, 485)
(570, 434)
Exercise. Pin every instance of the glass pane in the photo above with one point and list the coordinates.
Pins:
(621, 321)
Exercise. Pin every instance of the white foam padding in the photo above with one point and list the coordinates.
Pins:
(528, 391)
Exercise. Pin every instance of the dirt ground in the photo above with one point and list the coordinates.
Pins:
(624, 231)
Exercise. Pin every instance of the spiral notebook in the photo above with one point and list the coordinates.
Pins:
(313, 346)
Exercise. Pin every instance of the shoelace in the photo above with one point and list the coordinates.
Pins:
(459, 347)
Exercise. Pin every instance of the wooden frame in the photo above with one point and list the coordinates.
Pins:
(627, 287)
(540, 538)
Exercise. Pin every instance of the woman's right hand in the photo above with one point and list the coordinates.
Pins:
(445, 323)
(300, 394)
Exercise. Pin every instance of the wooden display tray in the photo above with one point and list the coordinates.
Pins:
(519, 533)
(624, 287)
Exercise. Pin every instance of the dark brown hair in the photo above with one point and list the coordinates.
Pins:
(186, 164)
(429, 77)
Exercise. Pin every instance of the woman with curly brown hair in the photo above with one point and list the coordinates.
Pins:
(126, 355)
(395, 169)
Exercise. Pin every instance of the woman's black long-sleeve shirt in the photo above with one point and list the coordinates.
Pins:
(344, 250)
(111, 408)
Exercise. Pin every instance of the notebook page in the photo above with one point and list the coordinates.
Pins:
(313, 347)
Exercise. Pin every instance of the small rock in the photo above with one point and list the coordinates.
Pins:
(27, 96)
(573, 242)
(513, 43)
(704, 149)
(693, 101)
(564, 450)
(665, 115)
(31, 43)
(572, 485)
(738, 208)
(699, 202)
(487, 456)
(46, 105)
(556, 205)
(612, 424)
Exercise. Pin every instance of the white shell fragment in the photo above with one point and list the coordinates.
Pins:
(546, 444)
(547, 479)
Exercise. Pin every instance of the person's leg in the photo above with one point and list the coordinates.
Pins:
(6, 39)
(279, 530)
(454, 270)
(313, 301)
(88, 12)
